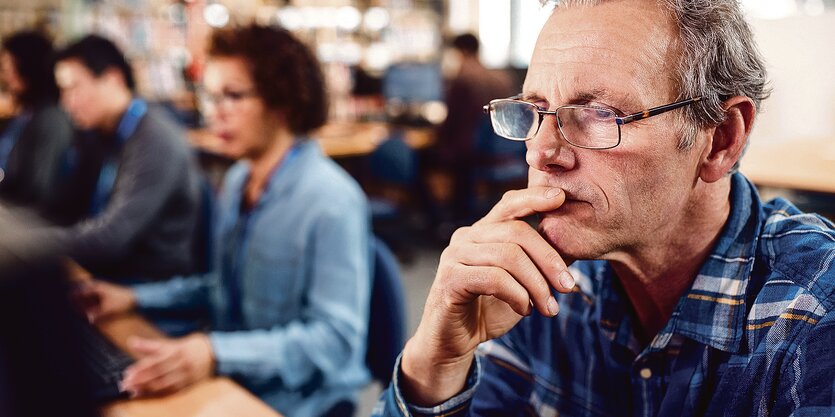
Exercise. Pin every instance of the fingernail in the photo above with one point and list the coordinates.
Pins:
(552, 192)
(566, 280)
(553, 307)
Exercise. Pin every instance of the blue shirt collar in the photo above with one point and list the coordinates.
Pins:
(130, 119)
(713, 311)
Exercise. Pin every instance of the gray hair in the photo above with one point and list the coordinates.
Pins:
(719, 59)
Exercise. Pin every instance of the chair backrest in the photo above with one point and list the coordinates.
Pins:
(394, 162)
(202, 243)
(387, 316)
(500, 160)
(490, 145)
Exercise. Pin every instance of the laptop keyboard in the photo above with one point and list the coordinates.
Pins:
(105, 364)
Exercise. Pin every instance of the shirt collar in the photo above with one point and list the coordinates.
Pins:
(285, 174)
(713, 310)
(130, 119)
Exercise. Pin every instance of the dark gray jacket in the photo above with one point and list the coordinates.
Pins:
(147, 226)
(31, 175)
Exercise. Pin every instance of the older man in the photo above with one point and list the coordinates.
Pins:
(686, 295)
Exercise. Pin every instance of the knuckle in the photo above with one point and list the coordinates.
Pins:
(508, 196)
(449, 254)
(509, 253)
(554, 259)
(518, 228)
(460, 234)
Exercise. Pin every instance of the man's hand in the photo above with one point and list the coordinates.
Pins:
(488, 279)
(101, 299)
(166, 366)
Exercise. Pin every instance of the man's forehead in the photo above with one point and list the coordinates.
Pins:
(613, 49)
(68, 72)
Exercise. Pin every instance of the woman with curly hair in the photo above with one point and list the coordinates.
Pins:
(291, 282)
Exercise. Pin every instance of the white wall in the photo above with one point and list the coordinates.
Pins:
(800, 55)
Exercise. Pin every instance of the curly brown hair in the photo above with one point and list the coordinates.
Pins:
(287, 75)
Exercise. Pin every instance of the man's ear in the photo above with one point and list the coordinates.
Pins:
(729, 138)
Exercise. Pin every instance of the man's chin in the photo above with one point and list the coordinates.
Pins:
(565, 238)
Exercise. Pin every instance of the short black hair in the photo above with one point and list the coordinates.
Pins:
(466, 43)
(98, 54)
(33, 53)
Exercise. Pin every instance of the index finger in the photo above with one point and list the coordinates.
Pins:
(516, 204)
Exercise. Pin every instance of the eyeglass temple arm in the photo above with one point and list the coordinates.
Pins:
(656, 111)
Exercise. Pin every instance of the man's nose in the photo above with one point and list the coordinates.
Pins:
(548, 150)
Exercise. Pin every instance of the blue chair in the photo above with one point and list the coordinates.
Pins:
(387, 315)
(501, 165)
(393, 163)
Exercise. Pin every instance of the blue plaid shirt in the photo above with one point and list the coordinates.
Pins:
(753, 336)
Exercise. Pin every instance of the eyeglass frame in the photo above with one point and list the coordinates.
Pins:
(226, 98)
(619, 120)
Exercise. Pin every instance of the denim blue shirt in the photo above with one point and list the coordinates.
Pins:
(752, 336)
(302, 275)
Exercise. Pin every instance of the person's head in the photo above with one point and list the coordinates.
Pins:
(261, 81)
(466, 44)
(666, 170)
(95, 81)
(26, 68)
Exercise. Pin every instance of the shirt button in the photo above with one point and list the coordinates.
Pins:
(646, 373)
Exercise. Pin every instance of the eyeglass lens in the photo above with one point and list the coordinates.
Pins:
(581, 126)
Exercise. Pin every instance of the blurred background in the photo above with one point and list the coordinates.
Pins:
(388, 66)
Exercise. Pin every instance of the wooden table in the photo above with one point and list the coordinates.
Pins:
(803, 165)
(216, 397)
(338, 140)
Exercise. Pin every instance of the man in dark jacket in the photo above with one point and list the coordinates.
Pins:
(132, 196)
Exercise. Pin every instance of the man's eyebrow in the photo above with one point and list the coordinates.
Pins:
(529, 97)
(602, 95)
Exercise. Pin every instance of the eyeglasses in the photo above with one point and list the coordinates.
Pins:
(588, 127)
(225, 98)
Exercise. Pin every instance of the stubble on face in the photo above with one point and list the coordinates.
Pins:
(617, 198)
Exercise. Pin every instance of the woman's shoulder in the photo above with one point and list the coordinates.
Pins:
(325, 177)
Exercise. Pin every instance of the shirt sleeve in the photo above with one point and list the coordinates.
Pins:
(179, 293)
(807, 387)
(48, 134)
(331, 331)
(499, 383)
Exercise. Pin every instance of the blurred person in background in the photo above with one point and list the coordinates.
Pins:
(34, 143)
(291, 284)
(456, 151)
(130, 199)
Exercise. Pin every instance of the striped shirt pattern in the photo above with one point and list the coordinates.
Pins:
(753, 336)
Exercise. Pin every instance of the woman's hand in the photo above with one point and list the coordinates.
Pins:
(168, 365)
(100, 299)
